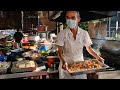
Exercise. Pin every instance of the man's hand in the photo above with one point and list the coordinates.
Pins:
(101, 59)
(61, 57)
(94, 54)
(64, 66)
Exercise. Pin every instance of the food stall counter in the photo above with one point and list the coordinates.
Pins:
(27, 74)
(109, 74)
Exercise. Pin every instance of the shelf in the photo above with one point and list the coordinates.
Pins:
(43, 31)
(50, 56)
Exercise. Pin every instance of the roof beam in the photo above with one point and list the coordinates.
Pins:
(108, 13)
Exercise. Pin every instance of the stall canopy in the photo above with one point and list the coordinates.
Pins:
(59, 16)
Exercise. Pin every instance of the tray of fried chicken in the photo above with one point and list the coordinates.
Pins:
(87, 66)
(23, 66)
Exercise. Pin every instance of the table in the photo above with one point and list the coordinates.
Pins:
(109, 74)
(27, 74)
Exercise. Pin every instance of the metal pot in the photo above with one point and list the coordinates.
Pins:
(42, 28)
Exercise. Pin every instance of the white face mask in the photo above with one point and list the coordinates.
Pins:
(71, 23)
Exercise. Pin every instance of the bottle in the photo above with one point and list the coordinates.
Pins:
(47, 77)
(54, 66)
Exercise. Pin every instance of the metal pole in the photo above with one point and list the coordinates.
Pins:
(57, 27)
(22, 19)
(38, 20)
(117, 25)
(109, 26)
(116, 28)
(61, 26)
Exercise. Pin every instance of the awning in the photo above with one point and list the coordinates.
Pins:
(59, 16)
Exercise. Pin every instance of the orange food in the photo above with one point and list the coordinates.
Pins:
(85, 65)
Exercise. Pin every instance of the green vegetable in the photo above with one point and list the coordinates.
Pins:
(7, 48)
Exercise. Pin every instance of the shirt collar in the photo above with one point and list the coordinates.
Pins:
(78, 32)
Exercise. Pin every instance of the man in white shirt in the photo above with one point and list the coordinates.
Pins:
(70, 44)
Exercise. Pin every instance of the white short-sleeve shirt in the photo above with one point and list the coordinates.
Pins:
(73, 49)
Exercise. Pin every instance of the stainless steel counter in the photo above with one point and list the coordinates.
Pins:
(38, 72)
(101, 75)
(27, 74)
(109, 74)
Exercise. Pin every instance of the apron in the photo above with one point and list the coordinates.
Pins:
(73, 52)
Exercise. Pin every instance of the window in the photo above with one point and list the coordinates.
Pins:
(114, 26)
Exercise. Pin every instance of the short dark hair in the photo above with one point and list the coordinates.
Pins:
(18, 30)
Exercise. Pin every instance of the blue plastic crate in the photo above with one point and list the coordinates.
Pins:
(3, 58)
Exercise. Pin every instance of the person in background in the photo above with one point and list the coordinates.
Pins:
(18, 37)
(70, 42)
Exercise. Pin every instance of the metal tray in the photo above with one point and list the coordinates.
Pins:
(3, 70)
(104, 67)
(14, 69)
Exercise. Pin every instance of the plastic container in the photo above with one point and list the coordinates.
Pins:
(43, 48)
(3, 58)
